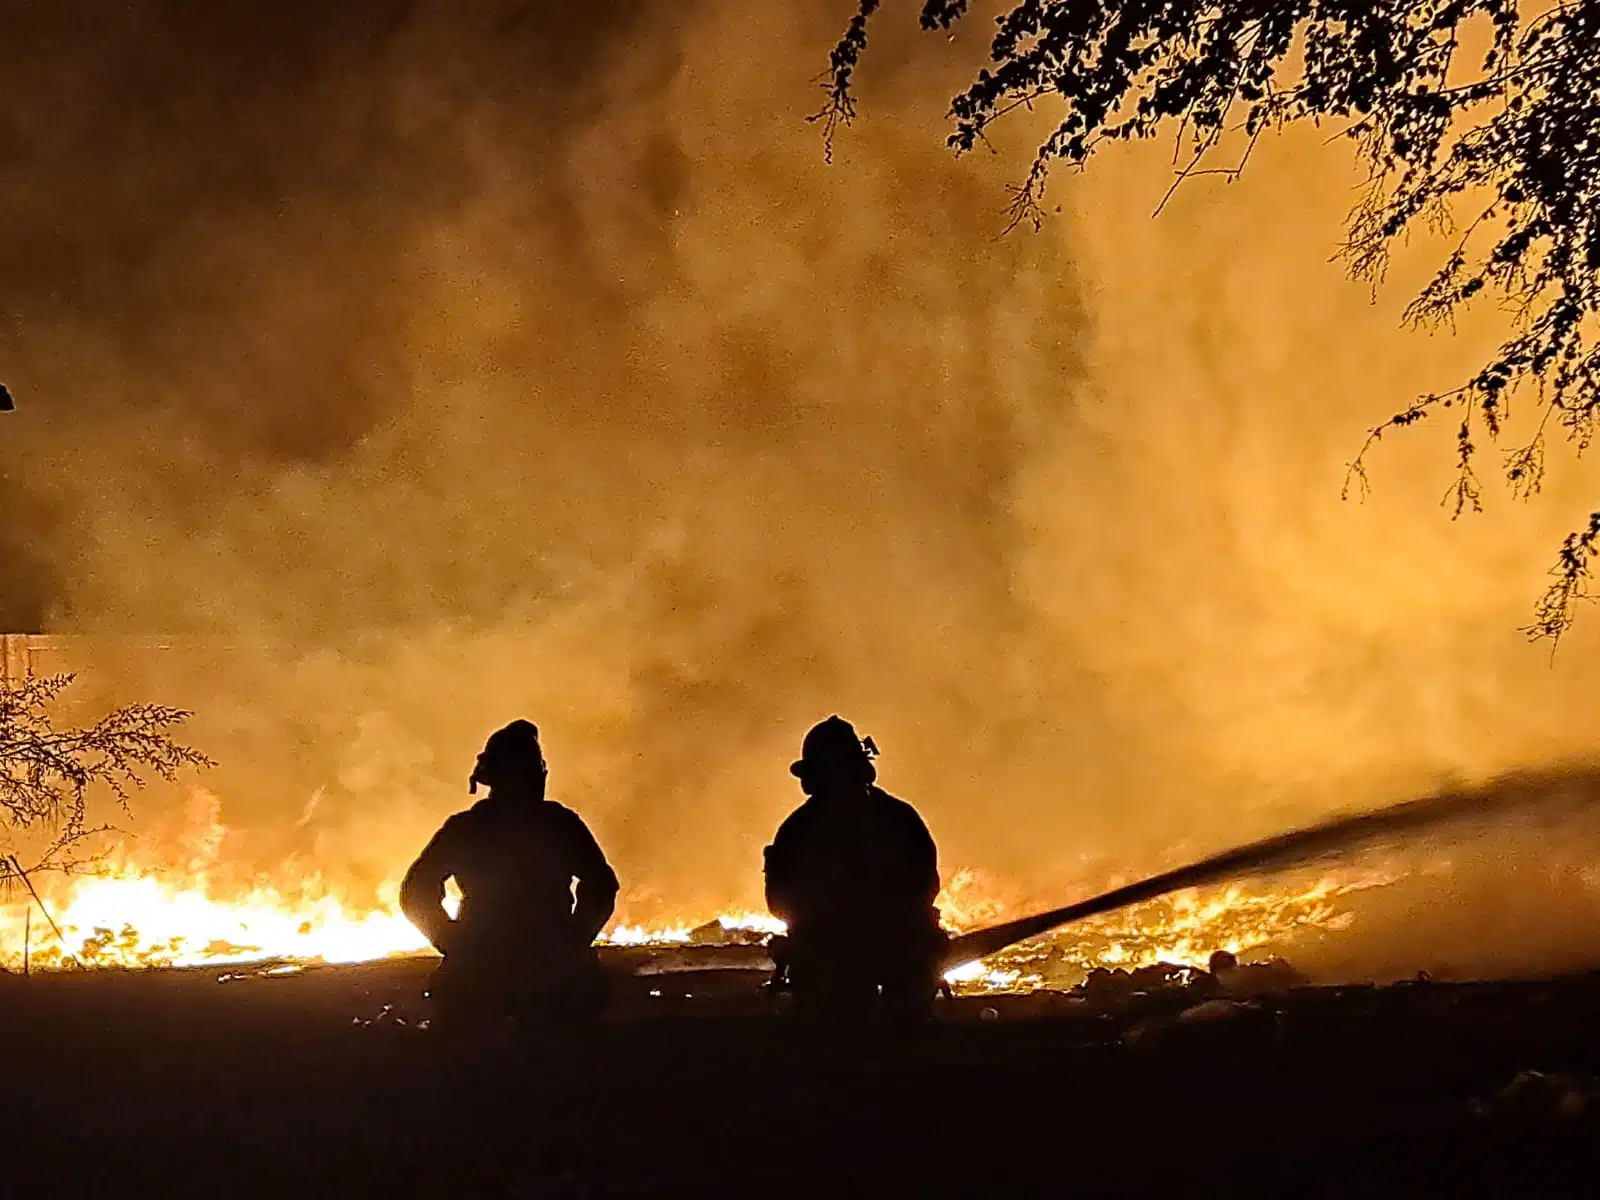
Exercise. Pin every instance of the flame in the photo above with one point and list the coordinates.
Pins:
(187, 910)
(1183, 929)
(128, 917)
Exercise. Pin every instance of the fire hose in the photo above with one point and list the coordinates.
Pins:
(1545, 793)
(1535, 794)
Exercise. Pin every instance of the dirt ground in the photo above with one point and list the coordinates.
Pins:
(172, 1083)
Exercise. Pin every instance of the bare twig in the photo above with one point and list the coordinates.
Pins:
(37, 899)
(46, 773)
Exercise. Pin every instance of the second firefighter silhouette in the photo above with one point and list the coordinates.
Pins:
(521, 944)
(854, 873)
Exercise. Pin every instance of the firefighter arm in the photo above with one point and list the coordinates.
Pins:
(422, 891)
(597, 901)
(597, 887)
(927, 861)
(777, 882)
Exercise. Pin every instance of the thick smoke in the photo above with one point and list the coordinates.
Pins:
(451, 363)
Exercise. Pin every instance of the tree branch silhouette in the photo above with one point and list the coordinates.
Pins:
(46, 774)
(1514, 137)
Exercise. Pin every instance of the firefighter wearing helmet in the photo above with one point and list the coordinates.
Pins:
(521, 944)
(854, 873)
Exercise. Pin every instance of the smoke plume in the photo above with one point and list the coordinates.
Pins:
(422, 367)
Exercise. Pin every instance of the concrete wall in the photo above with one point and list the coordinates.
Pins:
(38, 653)
(119, 670)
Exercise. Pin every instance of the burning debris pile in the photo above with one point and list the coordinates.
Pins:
(1156, 930)
(127, 918)
(1170, 935)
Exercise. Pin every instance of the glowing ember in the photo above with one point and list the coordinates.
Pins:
(680, 934)
(981, 977)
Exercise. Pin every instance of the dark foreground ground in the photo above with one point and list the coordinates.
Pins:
(173, 1083)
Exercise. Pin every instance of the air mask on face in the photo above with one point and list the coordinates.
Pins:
(515, 746)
